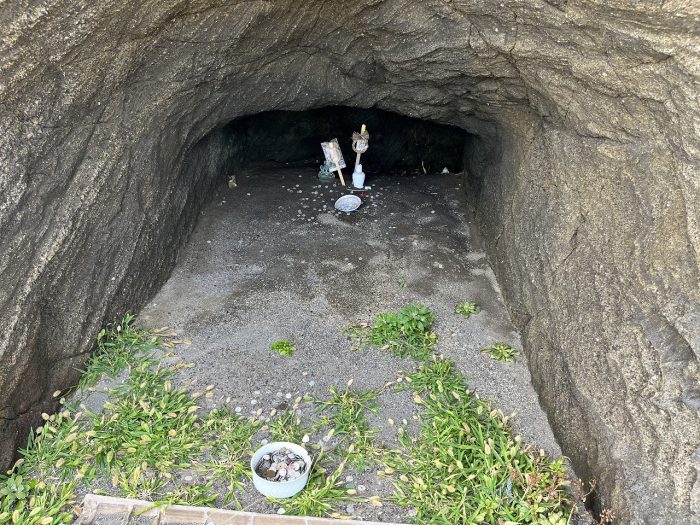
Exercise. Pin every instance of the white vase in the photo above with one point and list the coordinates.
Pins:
(358, 177)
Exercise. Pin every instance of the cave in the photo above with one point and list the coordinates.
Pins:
(574, 124)
(400, 144)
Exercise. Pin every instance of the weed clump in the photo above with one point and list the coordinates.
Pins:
(502, 352)
(145, 436)
(321, 495)
(119, 348)
(405, 334)
(466, 309)
(466, 467)
(283, 348)
(288, 427)
(346, 415)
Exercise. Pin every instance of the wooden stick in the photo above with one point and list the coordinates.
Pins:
(337, 166)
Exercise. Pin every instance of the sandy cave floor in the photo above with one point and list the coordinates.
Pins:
(271, 259)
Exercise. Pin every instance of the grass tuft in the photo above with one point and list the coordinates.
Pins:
(321, 495)
(465, 466)
(502, 352)
(229, 438)
(118, 348)
(346, 415)
(405, 334)
(466, 309)
(283, 348)
(287, 427)
(145, 436)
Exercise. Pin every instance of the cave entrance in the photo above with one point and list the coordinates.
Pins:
(271, 260)
(399, 144)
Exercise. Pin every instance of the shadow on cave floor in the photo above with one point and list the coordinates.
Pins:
(271, 259)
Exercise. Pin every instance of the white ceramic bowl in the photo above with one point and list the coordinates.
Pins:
(280, 489)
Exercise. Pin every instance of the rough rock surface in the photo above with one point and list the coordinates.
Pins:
(585, 169)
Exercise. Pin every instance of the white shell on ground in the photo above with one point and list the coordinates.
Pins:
(348, 203)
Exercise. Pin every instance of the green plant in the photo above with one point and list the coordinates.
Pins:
(465, 466)
(402, 282)
(197, 495)
(142, 487)
(502, 352)
(46, 504)
(15, 489)
(287, 427)
(321, 495)
(347, 408)
(466, 309)
(406, 333)
(119, 348)
(149, 425)
(40, 487)
(146, 431)
(227, 461)
(283, 348)
(346, 414)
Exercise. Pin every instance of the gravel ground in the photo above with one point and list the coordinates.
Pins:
(271, 259)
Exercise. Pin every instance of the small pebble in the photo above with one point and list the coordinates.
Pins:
(281, 510)
(288, 396)
(305, 439)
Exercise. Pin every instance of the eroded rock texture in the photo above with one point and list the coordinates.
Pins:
(585, 174)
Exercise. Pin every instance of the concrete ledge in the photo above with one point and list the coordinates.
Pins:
(95, 507)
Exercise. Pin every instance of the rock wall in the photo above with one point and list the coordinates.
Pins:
(586, 169)
(601, 277)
